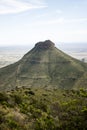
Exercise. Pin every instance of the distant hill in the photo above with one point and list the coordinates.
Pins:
(44, 66)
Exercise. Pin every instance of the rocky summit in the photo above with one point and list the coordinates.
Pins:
(45, 45)
(44, 66)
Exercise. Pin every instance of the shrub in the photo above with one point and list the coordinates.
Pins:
(18, 99)
(3, 97)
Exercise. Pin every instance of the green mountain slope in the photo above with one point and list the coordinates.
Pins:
(43, 66)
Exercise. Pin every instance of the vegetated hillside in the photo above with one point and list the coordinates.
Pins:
(43, 109)
(44, 65)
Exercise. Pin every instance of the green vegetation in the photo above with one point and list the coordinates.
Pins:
(43, 109)
(52, 96)
(44, 65)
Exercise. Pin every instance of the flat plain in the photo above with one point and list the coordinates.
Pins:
(9, 55)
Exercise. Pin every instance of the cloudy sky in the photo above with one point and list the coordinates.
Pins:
(25, 22)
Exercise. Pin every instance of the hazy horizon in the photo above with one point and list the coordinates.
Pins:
(23, 23)
(11, 54)
(29, 21)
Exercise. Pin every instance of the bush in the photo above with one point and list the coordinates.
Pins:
(18, 99)
(3, 97)
(30, 92)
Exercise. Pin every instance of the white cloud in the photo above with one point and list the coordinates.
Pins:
(49, 22)
(61, 20)
(75, 20)
(59, 11)
(17, 6)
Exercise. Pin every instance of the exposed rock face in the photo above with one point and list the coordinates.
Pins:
(44, 45)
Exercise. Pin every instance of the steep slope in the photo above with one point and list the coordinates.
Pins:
(43, 66)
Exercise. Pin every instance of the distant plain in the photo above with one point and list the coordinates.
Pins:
(11, 54)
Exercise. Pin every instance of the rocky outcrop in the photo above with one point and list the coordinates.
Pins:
(44, 45)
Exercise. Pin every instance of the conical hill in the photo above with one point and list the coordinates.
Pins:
(43, 66)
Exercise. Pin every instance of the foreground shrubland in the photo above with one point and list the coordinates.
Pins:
(43, 109)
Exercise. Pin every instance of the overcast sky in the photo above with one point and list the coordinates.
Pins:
(25, 22)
